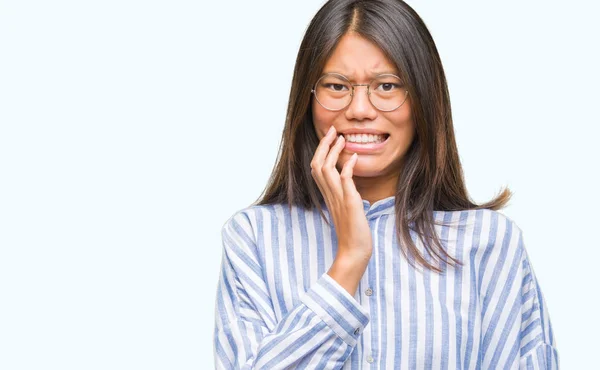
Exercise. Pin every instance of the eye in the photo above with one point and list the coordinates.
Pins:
(388, 86)
(336, 87)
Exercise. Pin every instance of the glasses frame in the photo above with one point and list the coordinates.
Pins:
(314, 91)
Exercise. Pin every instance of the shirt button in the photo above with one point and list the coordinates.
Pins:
(369, 292)
(370, 359)
(356, 331)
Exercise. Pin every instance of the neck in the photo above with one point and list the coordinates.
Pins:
(373, 189)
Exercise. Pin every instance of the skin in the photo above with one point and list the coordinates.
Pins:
(375, 175)
(345, 178)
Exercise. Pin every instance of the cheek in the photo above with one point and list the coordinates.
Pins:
(322, 119)
(403, 127)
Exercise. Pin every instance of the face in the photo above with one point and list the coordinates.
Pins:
(360, 60)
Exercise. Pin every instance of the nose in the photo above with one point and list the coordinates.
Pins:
(360, 107)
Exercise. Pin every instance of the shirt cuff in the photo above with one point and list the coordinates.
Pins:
(337, 308)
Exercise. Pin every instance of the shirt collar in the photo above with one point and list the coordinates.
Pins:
(380, 207)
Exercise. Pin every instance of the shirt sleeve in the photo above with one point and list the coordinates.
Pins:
(537, 345)
(319, 332)
(516, 328)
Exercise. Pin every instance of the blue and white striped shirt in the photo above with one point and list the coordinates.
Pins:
(277, 308)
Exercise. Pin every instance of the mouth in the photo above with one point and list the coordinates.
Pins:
(366, 138)
(365, 144)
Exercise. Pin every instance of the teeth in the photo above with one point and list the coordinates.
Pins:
(364, 138)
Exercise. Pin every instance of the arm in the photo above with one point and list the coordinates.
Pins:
(516, 328)
(319, 332)
(537, 343)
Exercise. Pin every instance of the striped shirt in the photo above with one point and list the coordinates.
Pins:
(277, 308)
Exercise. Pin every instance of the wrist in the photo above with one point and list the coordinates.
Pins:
(347, 270)
(348, 256)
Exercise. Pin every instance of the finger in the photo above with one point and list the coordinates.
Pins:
(329, 170)
(348, 186)
(323, 148)
(334, 153)
(317, 162)
(318, 182)
(321, 182)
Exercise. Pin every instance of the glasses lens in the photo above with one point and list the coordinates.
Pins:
(333, 92)
(388, 92)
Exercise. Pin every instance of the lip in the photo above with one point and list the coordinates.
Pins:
(369, 148)
(362, 131)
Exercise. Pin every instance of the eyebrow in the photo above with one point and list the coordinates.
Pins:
(371, 75)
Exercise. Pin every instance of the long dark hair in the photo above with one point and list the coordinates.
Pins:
(431, 177)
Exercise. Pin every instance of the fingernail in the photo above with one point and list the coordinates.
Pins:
(330, 130)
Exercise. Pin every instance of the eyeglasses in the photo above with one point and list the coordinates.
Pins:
(334, 92)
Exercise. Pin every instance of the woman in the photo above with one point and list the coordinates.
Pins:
(365, 250)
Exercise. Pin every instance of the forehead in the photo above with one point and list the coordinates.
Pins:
(358, 58)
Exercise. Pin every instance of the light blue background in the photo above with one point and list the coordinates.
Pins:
(131, 130)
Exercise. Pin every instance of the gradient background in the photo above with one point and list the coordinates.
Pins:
(130, 131)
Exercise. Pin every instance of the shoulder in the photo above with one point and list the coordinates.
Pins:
(254, 219)
(499, 235)
(251, 231)
(475, 217)
(501, 227)
(488, 229)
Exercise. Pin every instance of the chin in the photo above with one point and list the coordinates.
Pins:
(366, 170)
(364, 167)
(366, 173)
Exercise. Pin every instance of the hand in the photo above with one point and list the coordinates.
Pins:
(344, 202)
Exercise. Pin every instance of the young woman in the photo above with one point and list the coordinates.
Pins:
(365, 251)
